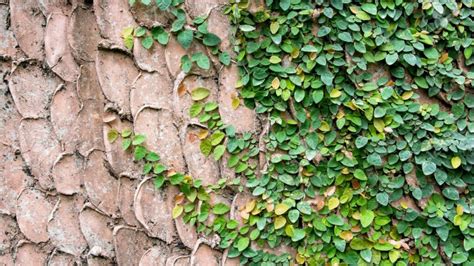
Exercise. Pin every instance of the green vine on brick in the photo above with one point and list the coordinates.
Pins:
(370, 151)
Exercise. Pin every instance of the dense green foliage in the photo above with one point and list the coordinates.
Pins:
(369, 157)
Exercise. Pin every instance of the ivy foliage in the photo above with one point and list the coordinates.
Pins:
(369, 157)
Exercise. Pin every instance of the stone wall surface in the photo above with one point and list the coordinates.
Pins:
(67, 195)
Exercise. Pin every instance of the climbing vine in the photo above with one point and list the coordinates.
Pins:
(368, 158)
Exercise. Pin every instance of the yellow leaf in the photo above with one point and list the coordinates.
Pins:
(235, 102)
(281, 208)
(289, 230)
(244, 215)
(333, 203)
(457, 220)
(280, 221)
(202, 134)
(275, 83)
(407, 95)
(459, 209)
(274, 26)
(177, 210)
(444, 56)
(250, 205)
(325, 127)
(379, 125)
(295, 53)
(346, 235)
(300, 259)
(275, 59)
(404, 204)
(335, 93)
(456, 162)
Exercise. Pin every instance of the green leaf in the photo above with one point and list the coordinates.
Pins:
(370, 8)
(298, 234)
(112, 135)
(243, 243)
(152, 157)
(366, 217)
(185, 38)
(159, 168)
(359, 174)
(138, 139)
(205, 147)
(299, 95)
(218, 152)
(410, 59)
(374, 159)
(285, 4)
(216, 137)
(345, 37)
(220, 208)
(201, 60)
(176, 179)
(317, 96)
(224, 58)
(451, 193)
(160, 35)
(436, 222)
(126, 143)
(139, 153)
(211, 39)
(199, 93)
(246, 28)
(431, 53)
(159, 181)
(293, 215)
(335, 220)
(304, 207)
(361, 141)
(163, 4)
(382, 198)
(323, 31)
(366, 254)
(390, 59)
(186, 63)
(140, 31)
(195, 109)
(428, 167)
(147, 42)
(459, 258)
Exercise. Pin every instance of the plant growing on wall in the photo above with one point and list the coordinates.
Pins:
(369, 156)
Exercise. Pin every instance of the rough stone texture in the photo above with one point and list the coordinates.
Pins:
(156, 255)
(97, 232)
(112, 17)
(130, 245)
(32, 88)
(30, 254)
(32, 213)
(63, 227)
(101, 187)
(67, 195)
(57, 50)
(205, 255)
(40, 149)
(116, 73)
(8, 44)
(68, 174)
(27, 24)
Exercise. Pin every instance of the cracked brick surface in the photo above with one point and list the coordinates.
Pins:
(67, 195)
